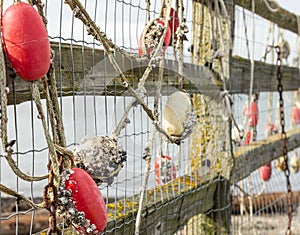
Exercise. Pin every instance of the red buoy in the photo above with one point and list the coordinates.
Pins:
(248, 138)
(253, 113)
(151, 35)
(173, 23)
(270, 129)
(26, 42)
(164, 169)
(296, 115)
(82, 201)
(265, 172)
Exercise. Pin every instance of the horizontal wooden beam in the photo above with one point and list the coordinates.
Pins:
(171, 208)
(283, 18)
(251, 157)
(265, 77)
(84, 70)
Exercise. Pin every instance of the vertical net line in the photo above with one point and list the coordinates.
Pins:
(60, 51)
(94, 79)
(84, 77)
(32, 163)
(129, 28)
(17, 153)
(73, 83)
(137, 20)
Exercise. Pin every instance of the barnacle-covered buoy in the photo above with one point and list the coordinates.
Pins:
(179, 117)
(285, 49)
(81, 201)
(151, 35)
(164, 169)
(265, 172)
(26, 41)
(101, 157)
(280, 164)
(237, 135)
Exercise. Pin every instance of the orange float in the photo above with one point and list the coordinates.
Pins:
(26, 42)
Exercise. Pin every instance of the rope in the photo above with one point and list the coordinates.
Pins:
(179, 46)
(18, 172)
(37, 99)
(93, 29)
(298, 43)
(3, 90)
(269, 6)
(20, 197)
(148, 150)
(5, 145)
(148, 2)
(250, 186)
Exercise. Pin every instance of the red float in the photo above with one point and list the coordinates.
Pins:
(173, 22)
(26, 42)
(253, 113)
(296, 115)
(164, 169)
(270, 129)
(265, 172)
(151, 35)
(248, 138)
(82, 201)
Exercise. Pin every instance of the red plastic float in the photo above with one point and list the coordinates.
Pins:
(253, 113)
(151, 36)
(270, 129)
(164, 169)
(296, 115)
(26, 42)
(85, 206)
(173, 22)
(248, 138)
(265, 172)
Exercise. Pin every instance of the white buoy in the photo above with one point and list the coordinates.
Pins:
(237, 135)
(178, 115)
(294, 163)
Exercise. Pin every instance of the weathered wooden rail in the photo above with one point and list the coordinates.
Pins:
(199, 192)
(90, 73)
(191, 194)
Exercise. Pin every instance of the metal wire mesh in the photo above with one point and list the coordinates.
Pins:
(92, 103)
(260, 207)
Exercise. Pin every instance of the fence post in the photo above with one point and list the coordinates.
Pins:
(217, 220)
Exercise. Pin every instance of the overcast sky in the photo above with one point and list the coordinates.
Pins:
(290, 5)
